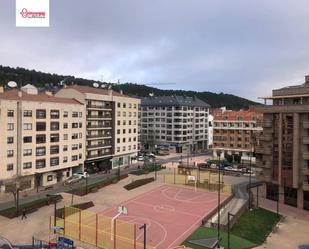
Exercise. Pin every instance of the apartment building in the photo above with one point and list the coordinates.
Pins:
(233, 132)
(179, 121)
(112, 126)
(283, 148)
(42, 138)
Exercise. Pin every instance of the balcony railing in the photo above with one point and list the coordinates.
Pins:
(94, 146)
(99, 126)
(306, 124)
(98, 116)
(99, 155)
(306, 155)
(99, 136)
(306, 140)
(99, 107)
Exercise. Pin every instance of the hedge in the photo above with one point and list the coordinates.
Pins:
(138, 183)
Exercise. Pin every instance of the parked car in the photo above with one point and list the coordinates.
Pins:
(73, 179)
(82, 175)
(140, 158)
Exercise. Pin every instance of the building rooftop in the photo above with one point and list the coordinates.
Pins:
(242, 115)
(42, 97)
(173, 101)
(93, 90)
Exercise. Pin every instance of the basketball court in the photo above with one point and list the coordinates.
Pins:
(170, 212)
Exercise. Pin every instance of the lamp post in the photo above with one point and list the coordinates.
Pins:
(228, 229)
(55, 208)
(218, 232)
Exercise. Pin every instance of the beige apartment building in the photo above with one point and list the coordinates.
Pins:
(112, 126)
(42, 138)
(283, 148)
(233, 132)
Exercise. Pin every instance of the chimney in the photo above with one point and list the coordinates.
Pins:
(307, 79)
(49, 93)
(20, 93)
(121, 92)
(1, 89)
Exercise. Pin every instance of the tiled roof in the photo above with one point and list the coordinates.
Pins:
(93, 90)
(42, 97)
(242, 115)
(173, 101)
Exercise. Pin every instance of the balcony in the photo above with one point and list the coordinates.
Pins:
(266, 137)
(306, 140)
(267, 123)
(99, 107)
(306, 171)
(97, 146)
(306, 186)
(99, 136)
(263, 150)
(306, 155)
(99, 155)
(99, 126)
(306, 124)
(99, 116)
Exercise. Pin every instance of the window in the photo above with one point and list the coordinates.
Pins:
(65, 125)
(124, 131)
(124, 105)
(129, 147)
(28, 139)
(80, 135)
(118, 114)
(118, 140)
(40, 114)
(10, 153)
(118, 122)
(10, 113)
(39, 164)
(124, 114)
(129, 130)
(9, 166)
(40, 126)
(80, 114)
(124, 140)
(118, 149)
(65, 114)
(74, 158)
(65, 159)
(54, 161)
(10, 126)
(80, 125)
(123, 148)
(54, 149)
(40, 139)
(65, 137)
(27, 165)
(118, 131)
(40, 151)
(10, 140)
(74, 114)
(65, 148)
(27, 152)
(74, 125)
(124, 122)
(74, 146)
(80, 145)
(27, 126)
(54, 126)
(54, 138)
(130, 105)
(49, 178)
(27, 113)
(54, 114)
(75, 136)
(118, 104)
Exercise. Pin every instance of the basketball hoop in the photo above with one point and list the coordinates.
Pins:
(121, 210)
(192, 179)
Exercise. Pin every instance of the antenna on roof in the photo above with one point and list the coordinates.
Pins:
(95, 84)
(110, 87)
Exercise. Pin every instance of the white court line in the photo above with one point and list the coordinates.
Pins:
(175, 211)
(186, 201)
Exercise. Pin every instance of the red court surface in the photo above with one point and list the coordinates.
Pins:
(171, 213)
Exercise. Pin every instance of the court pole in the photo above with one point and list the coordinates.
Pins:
(145, 236)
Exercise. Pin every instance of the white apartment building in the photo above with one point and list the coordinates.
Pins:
(178, 121)
(112, 126)
(42, 138)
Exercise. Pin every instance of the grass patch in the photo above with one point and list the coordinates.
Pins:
(93, 187)
(255, 225)
(29, 206)
(147, 169)
(138, 183)
(205, 232)
(81, 206)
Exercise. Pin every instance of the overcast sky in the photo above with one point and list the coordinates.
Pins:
(243, 47)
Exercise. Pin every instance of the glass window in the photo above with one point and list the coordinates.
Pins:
(65, 114)
(10, 140)
(65, 159)
(10, 126)
(74, 125)
(40, 151)
(10, 153)
(54, 138)
(40, 126)
(27, 126)
(65, 148)
(74, 158)
(65, 125)
(10, 113)
(54, 149)
(49, 178)
(40, 113)
(27, 152)
(9, 166)
(54, 126)
(75, 136)
(40, 139)
(54, 114)
(54, 161)
(27, 113)
(39, 164)
(74, 114)
(74, 146)
(65, 136)
(27, 139)
(27, 165)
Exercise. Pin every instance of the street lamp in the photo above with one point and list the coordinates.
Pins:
(228, 229)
